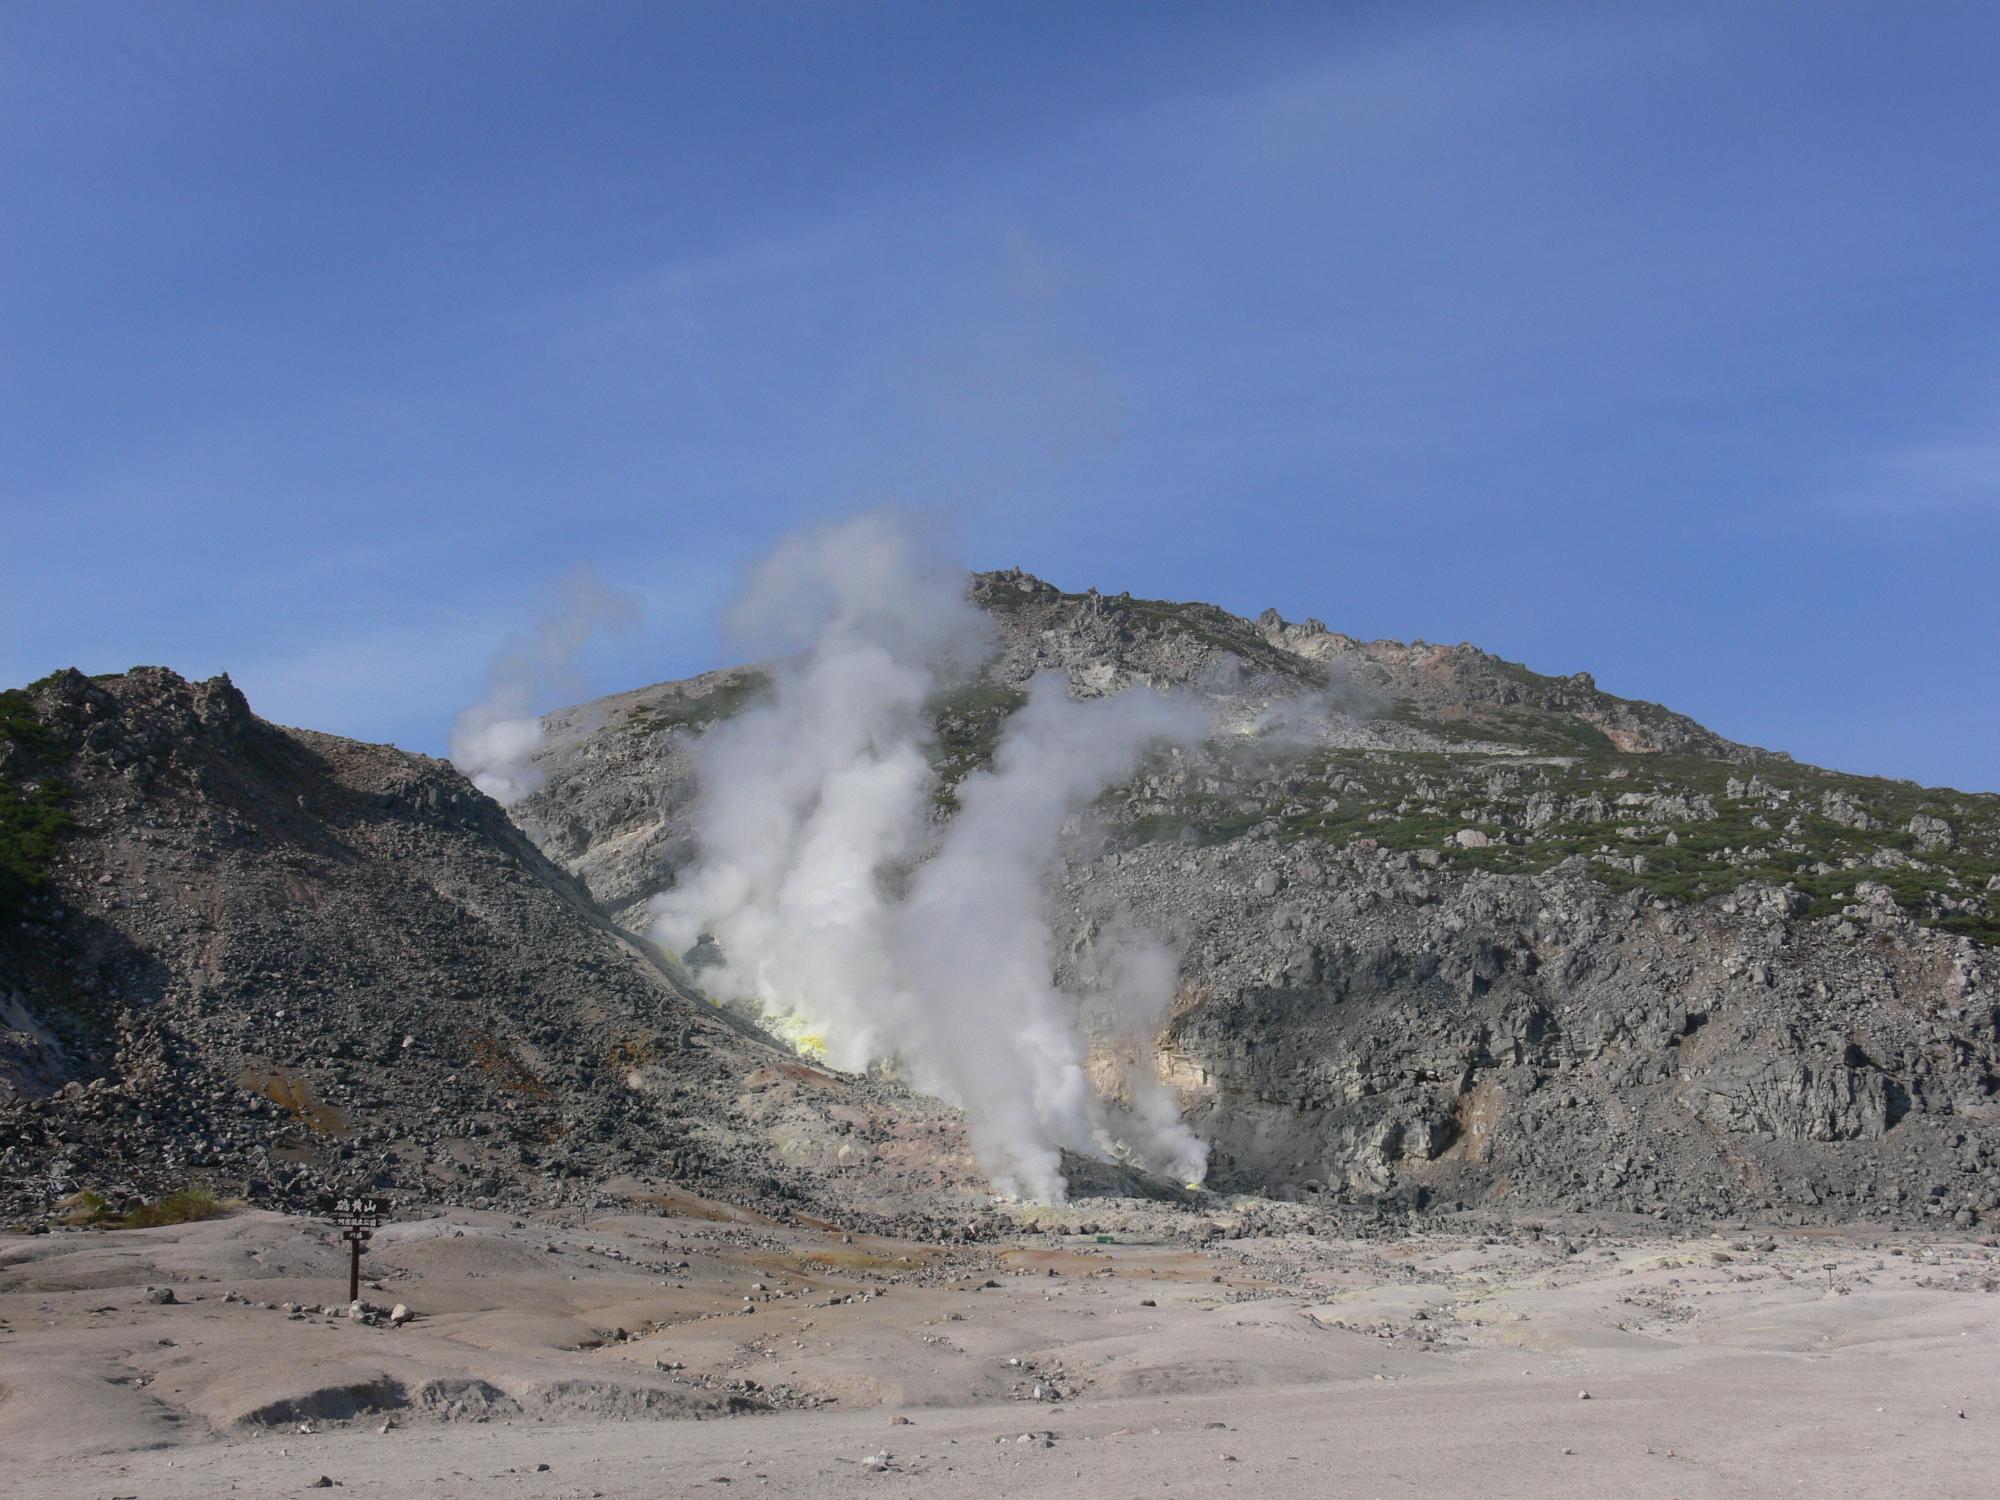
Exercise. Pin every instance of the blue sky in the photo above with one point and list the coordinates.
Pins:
(1659, 342)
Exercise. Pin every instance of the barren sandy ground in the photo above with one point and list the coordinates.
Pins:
(1736, 1364)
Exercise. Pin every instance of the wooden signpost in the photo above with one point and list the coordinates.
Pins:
(357, 1219)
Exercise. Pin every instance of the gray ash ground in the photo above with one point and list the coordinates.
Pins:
(1120, 1347)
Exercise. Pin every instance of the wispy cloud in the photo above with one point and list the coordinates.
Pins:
(1953, 468)
(676, 291)
(1951, 474)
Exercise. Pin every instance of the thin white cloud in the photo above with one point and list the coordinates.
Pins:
(393, 681)
(667, 295)
(1954, 468)
(1964, 473)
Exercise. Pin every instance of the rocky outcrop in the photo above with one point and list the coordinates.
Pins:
(1775, 1092)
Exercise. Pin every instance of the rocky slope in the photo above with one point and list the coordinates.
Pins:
(1453, 931)
(273, 963)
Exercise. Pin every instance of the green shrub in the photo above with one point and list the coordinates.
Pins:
(34, 812)
(86, 1210)
(92, 1210)
(183, 1207)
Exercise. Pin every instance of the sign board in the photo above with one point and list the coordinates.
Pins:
(355, 1217)
(349, 1212)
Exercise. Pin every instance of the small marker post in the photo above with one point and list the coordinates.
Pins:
(357, 1218)
(354, 1237)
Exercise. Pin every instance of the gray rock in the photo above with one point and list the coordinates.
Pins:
(1933, 834)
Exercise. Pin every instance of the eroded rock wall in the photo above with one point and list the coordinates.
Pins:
(1354, 1023)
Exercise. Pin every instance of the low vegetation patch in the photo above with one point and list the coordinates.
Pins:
(91, 1210)
(968, 720)
(1682, 828)
(34, 809)
(721, 703)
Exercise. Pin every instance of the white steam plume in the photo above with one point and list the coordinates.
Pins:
(990, 1030)
(494, 741)
(858, 935)
(1133, 977)
(810, 799)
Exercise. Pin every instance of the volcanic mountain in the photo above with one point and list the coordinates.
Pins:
(1452, 931)
(1449, 932)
